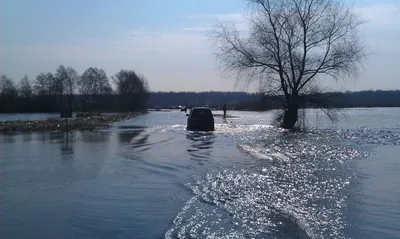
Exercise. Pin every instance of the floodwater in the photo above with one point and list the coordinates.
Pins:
(150, 178)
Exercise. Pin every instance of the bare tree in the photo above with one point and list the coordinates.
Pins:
(7, 91)
(132, 90)
(292, 43)
(67, 79)
(60, 78)
(25, 88)
(83, 86)
(61, 81)
(7, 86)
(45, 84)
(102, 85)
(94, 82)
(40, 85)
(53, 87)
(70, 85)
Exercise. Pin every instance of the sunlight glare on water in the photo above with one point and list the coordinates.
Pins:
(298, 189)
(149, 177)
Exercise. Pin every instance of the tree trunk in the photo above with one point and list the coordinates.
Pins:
(291, 112)
(290, 116)
(83, 104)
(69, 97)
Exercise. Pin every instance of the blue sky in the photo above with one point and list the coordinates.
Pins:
(165, 40)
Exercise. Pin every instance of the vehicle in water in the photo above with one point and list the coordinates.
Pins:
(200, 119)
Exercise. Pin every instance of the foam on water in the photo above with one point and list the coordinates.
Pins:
(149, 177)
(297, 188)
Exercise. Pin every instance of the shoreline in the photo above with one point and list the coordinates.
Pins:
(89, 123)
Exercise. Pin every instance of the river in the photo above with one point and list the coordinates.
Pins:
(150, 178)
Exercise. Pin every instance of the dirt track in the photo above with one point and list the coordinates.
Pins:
(76, 123)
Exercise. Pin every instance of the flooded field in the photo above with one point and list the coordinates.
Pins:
(150, 178)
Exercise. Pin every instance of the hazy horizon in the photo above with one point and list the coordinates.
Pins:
(166, 41)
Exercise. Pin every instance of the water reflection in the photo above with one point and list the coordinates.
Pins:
(292, 182)
(134, 142)
(95, 137)
(200, 147)
(50, 136)
(66, 148)
(7, 139)
(142, 141)
(56, 136)
(128, 136)
(27, 137)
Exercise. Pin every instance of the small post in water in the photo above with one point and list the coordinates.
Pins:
(66, 113)
(66, 125)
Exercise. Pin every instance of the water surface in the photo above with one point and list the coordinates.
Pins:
(150, 178)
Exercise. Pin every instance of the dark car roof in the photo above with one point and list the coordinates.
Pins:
(201, 112)
(201, 107)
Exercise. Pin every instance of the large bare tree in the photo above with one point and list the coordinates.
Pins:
(291, 44)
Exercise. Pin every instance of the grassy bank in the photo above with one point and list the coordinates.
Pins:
(85, 122)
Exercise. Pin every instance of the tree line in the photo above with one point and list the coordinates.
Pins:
(328, 100)
(211, 98)
(91, 91)
(261, 101)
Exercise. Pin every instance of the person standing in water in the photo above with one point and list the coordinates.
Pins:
(224, 109)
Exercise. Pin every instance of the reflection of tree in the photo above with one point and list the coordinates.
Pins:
(201, 144)
(134, 142)
(127, 136)
(67, 149)
(56, 135)
(7, 139)
(134, 138)
(49, 136)
(140, 141)
(95, 137)
(27, 137)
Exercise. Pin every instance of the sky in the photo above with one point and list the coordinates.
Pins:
(164, 40)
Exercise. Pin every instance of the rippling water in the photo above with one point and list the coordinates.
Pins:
(150, 178)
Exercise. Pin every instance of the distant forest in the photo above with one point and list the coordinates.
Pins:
(93, 91)
(254, 101)
(67, 91)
